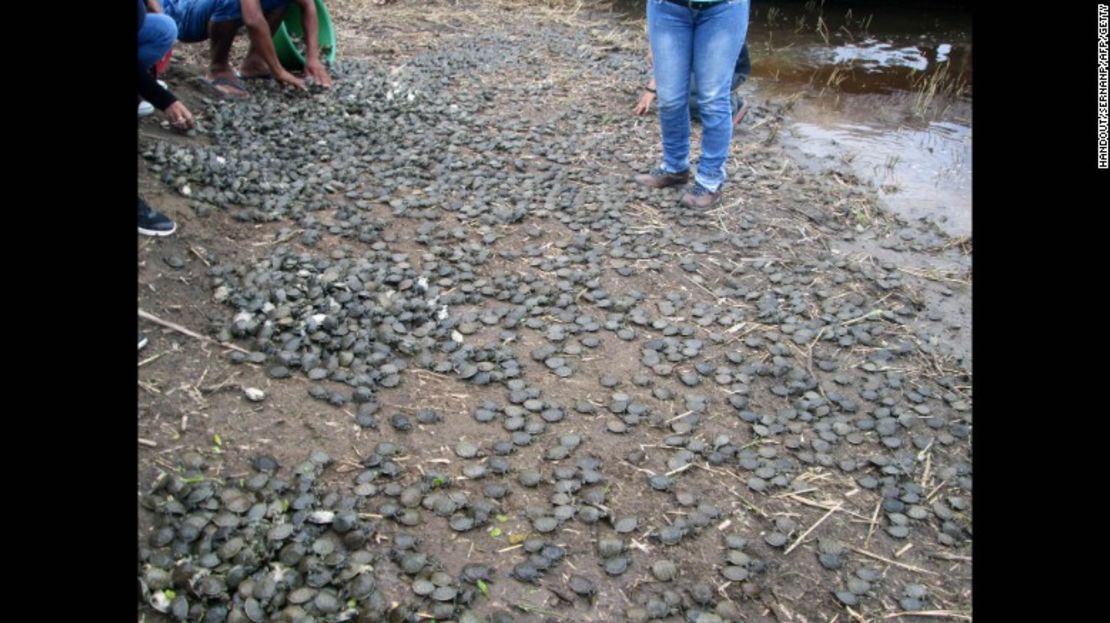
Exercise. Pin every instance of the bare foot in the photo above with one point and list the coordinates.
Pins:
(254, 67)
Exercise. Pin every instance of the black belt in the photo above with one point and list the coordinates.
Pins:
(696, 5)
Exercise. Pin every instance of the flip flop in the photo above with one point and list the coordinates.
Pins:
(234, 83)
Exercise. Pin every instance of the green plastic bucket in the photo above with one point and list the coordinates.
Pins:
(293, 28)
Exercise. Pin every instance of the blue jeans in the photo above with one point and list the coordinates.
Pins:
(156, 37)
(739, 77)
(193, 16)
(705, 42)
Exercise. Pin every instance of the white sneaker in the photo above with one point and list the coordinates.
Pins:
(146, 109)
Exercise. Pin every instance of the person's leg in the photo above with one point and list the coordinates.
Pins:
(198, 20)
(191, 17)
(156, 37)
(718, 38)
(254, 66)
(220, 37)
(224, 22)
(694, 99)
(743, 67)
(670, 29)
(739, 77)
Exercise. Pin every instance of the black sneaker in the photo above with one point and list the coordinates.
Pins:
(153, 223)
(142, 341)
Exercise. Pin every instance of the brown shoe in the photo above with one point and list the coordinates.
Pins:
(661, 179)
(701, 197)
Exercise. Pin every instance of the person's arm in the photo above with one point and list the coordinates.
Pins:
(163, 100)
(643, 105)
(313, 67)
(262, 40)
(151, 91)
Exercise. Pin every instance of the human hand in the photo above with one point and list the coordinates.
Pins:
(286, 78)
(644, 104)
(180, 116)
(318, 73)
